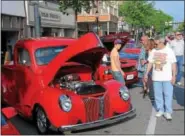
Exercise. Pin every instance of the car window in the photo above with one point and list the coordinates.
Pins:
(3, 120)
(45, 55)
(23, 57)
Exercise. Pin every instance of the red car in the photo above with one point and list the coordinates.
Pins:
(127, 65)
(54, 85)
(7, 128)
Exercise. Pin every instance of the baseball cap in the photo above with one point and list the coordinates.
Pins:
(117, 41)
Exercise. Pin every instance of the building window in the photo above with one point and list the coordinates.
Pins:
(111, 10)
(32, 31)
(104, 5)
(22, 22)
(68, 32)
(6, 21)
(115, 12)
(14, 22)
(108, 9)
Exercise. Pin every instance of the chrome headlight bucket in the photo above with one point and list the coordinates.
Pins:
(65, 103)
(124, 93)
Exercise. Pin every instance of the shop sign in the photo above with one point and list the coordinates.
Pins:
(50, 16)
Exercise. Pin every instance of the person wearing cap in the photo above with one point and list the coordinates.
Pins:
(177, 46)
(162, 61)
(117, 72)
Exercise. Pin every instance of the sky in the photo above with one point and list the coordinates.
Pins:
(173, 8)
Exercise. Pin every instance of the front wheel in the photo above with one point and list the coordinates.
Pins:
(42, 121)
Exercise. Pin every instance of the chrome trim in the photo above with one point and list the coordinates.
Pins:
(101, 112)
(99, 123)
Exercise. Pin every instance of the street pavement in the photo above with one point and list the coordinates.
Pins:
(145, 121)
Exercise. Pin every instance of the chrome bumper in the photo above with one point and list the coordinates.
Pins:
(99, 123)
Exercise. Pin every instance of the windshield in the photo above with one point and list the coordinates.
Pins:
(3, 120)
(45, 55)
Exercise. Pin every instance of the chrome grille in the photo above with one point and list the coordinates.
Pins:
(96, 108)
(92, 109)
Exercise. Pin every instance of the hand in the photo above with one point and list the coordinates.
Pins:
(143, 62)
(145, 78)
(173, 80)
(122, 73)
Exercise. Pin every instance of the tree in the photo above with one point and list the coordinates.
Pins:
(158, 19)
(136, 12)
(181, 27)
(77, 6)
(143, 14)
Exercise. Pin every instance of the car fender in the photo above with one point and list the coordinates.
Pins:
(113, 88)
(48, 99)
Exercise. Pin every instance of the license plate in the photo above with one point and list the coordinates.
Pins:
(130, 77)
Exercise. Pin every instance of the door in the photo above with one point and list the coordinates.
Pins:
(22, 72)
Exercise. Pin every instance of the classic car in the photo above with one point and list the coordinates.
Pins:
(7, 128)
(130, 51)
(56, 88)
(127, 65)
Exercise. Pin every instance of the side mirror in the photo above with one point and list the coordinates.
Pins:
(9, 112)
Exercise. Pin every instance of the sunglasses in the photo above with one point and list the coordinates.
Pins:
(178, 34)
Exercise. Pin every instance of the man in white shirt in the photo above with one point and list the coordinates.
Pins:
(163, 61)
(177, 45)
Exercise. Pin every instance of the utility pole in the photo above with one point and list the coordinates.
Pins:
(37, 20)
(97, 16)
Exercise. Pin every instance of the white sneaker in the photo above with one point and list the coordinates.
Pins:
(159, 114)
(168, 116)
(179, 83)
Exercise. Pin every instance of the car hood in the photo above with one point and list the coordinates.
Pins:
(87, 50)
(110, 44)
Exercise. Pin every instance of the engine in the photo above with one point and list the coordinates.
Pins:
(72, 82)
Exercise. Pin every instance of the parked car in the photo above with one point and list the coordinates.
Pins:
(127, 65)
(54, 85)
(7, 128)
(130, 51)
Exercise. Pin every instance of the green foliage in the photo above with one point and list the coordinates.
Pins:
(136, 12)
(181, 27)
(143, 14)
(76, 5)
(158, 19)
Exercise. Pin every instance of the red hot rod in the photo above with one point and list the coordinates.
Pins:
(54, 85)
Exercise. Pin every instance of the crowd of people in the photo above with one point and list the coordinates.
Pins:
(159, 66)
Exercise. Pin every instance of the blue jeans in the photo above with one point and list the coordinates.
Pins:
(179, 67)
(118, 76)
(163, 102)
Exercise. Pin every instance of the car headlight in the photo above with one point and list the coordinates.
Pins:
(65, 103)
(124, 93)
